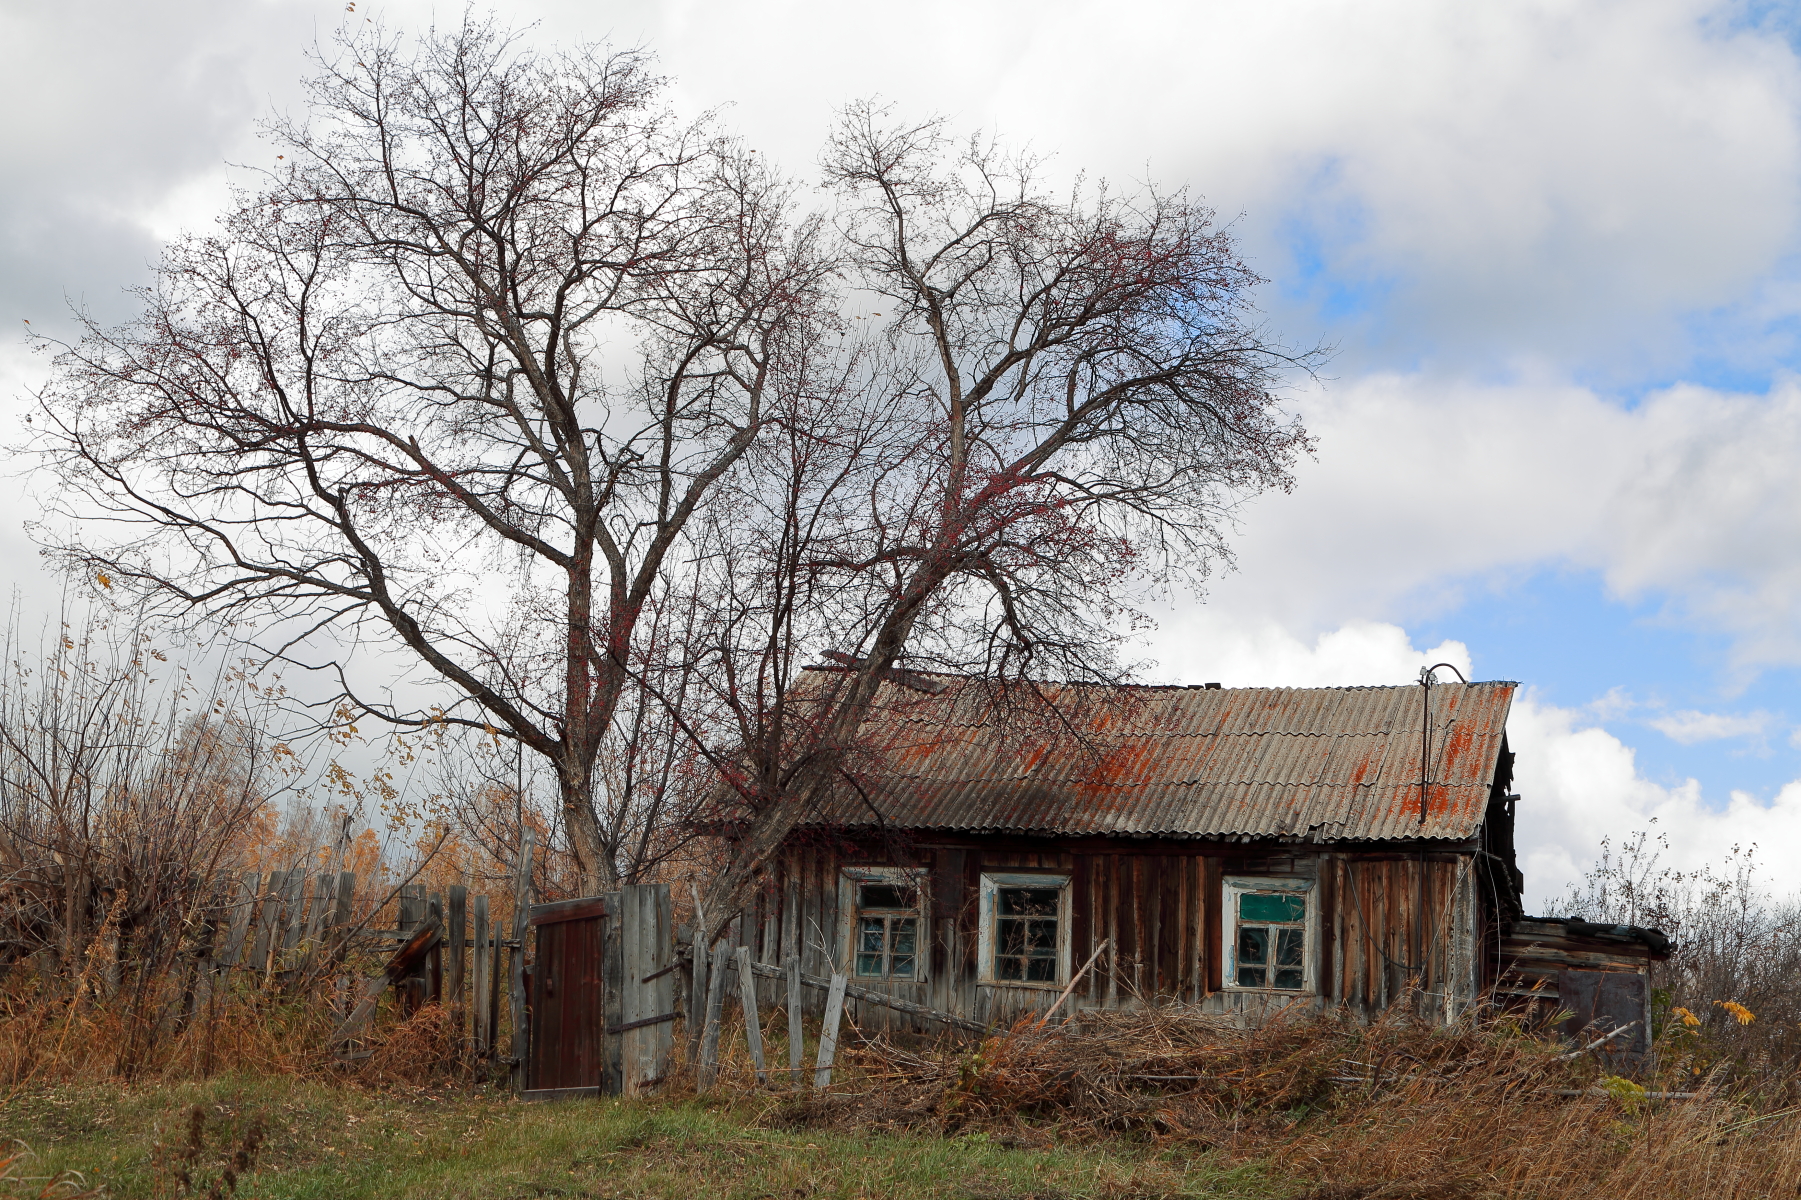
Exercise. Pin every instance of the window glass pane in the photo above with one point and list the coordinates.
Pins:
(1290, 980)
(1250, 977)
(1253, 947)
(869, 965)
(1027, 902)
(1271, 906)
(901, 967)
(869, 936)
(903, 936)
(1289, 945)
(884, 895)
(1025, 933)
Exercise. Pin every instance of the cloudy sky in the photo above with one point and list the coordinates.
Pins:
(1554, 243)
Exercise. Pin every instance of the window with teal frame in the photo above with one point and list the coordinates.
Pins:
(1270, 935)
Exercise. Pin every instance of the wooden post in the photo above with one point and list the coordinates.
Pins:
(240, 920)
(753, 1021)
(796, 1035)
(709, 1042)
(457, 916)
(266, 920)
(484, 970)
(828, 1032)
(522, 903)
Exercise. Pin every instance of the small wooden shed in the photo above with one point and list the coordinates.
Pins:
(1245, 849)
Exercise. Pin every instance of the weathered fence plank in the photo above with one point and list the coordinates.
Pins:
(456, 926)
(483, 1030)
(753, 1025)
(244, 909)
(647, 1002)
(709, 1042)
(266, 920)
(796, 1034)
(293, 917)
(828, 1032)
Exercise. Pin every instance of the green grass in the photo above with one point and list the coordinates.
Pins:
(343, 1143)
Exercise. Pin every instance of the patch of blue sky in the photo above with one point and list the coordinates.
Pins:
(1779, 17)
(1633, 669)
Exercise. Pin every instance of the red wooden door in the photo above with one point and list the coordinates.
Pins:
(568, 1003)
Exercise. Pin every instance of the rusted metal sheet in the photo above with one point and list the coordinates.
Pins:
(1315, 764)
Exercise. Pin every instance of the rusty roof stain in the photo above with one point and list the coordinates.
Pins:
(1309, 764)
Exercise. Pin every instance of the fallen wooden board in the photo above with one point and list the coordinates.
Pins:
(398, 967)
(872, 996)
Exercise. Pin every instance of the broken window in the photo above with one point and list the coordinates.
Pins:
(1025, 929)
(1269, 934)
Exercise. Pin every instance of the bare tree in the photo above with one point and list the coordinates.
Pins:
(1066, 396)
(454, 379)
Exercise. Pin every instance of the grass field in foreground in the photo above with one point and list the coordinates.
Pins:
(336, 1143)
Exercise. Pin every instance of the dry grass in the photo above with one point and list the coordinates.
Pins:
(1392, 1110)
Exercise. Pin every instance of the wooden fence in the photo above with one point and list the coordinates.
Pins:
(303, 931)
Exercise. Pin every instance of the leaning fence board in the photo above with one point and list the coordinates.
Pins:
(753, 1026)
(709, 1042)
(403, 961)
(484, 969)
(828, 1032)
(871, 996)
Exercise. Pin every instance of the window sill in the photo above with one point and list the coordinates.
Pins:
(1248, 991)
(1021, 983)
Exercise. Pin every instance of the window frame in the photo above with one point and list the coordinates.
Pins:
(991, 884)
(916, 878)
(1231, 889)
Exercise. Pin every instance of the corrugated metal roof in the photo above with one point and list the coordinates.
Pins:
(1319, 764)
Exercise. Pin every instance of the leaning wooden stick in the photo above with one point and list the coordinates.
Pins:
(1074, 979)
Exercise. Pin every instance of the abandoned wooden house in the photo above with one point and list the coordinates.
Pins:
(1240, 848)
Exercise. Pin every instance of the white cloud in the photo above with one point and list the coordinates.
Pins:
(1522, 181)
(1426, 487)
(1689, 727)
(1579, 784)
(1206, 645)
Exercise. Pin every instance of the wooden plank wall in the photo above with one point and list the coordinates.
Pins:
(1160, 914)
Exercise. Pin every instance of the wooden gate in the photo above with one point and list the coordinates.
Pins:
(602, 995)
